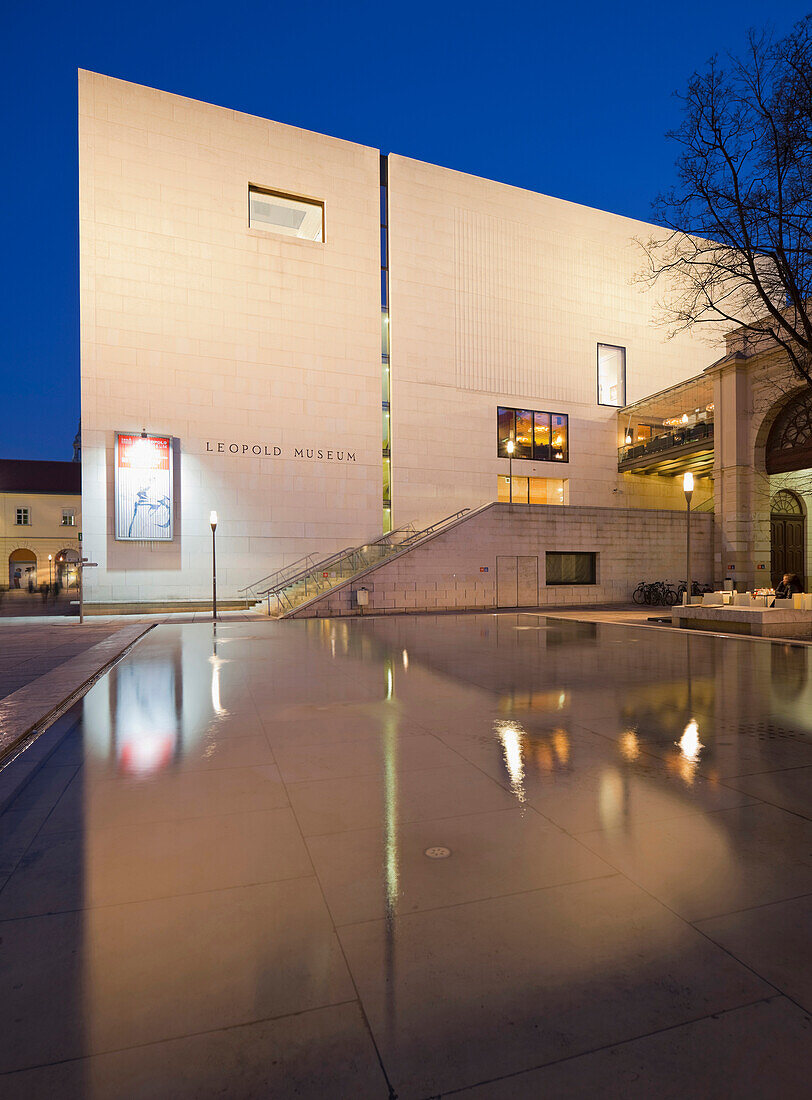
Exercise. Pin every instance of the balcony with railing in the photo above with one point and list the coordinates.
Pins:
(669, 432)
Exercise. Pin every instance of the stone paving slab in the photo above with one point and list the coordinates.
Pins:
(35, 704)
(30, 649)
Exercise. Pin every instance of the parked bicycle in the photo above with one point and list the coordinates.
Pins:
(697, 589)
(655, 592)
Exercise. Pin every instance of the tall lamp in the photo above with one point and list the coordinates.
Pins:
(688, 489)
(213, 522)
(509, 448)
(50, 571)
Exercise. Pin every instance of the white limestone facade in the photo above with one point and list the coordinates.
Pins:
(225, 338)
(259, 354)
(500, 296)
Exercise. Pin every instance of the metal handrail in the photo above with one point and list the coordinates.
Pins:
(277, 573)
(319, 566)
(315, 566)
(441, 523)
(354, 555)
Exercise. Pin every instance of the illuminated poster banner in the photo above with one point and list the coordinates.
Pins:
(143, 487)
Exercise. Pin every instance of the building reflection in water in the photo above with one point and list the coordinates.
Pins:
(153, 708)
(390, 838)
(145, 733)
(613, 800)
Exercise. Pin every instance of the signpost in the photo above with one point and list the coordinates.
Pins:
(84, 564)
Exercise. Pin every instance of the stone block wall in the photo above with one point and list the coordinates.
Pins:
(457, 569)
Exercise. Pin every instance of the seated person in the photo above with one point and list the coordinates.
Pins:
(788, 587)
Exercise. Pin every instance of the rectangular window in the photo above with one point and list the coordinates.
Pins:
(385, 335)
(523, 435)
(275, 212)
(68, 517)
(560, 440)
(387, 481)
(385, 424)
(504, 430)
(540, 436)
(23, 517)
(573, 568)
(531, 490)
(611, 375)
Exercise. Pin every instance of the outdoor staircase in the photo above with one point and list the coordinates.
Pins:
(303, 580)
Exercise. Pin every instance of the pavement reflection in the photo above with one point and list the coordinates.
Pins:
(226, 859)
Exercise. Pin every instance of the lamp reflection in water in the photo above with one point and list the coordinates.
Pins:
(511, 736)
(629, 745)
(690, 747)
(216, 663)
(561, 745)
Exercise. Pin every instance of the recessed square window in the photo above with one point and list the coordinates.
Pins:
(274, 212)
(68, 517)
(611, 375)
(573, 568)
(23, 517)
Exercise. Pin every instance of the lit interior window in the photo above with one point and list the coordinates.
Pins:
(273, 212)
(611, 375)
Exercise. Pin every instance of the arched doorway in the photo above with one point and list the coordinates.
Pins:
(787, 536)
(22, 568)
(67, 571)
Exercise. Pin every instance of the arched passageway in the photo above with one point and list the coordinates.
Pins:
(22, 568)
(67, 571)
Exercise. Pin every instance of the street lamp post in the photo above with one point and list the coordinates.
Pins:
(688, 489)
(213, 522)
(50, 571)
(509, 448)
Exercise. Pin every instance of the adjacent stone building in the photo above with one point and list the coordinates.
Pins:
(40, 522)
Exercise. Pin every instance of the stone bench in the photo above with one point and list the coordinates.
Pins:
(761, 622)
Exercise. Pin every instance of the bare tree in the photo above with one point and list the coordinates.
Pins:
(740, 215)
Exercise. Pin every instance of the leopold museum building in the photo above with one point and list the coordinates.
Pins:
(324, 345)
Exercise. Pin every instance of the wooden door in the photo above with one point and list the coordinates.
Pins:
(788, 551)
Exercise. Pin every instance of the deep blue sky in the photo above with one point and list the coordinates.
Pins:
(569, 99)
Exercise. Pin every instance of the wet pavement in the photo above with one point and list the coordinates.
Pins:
(31, 649)
(218, 884)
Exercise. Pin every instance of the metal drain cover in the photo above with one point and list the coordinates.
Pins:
(437, 852)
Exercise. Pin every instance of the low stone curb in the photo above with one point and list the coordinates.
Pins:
(26, 739)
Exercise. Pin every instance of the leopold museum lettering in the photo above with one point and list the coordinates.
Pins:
(263, 450)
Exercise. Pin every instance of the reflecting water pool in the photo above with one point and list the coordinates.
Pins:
(218, 884)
